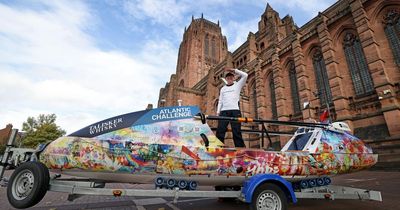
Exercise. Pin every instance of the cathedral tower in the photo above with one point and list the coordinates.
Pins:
(203, 46)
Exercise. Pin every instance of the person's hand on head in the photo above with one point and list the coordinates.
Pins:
(229, 69)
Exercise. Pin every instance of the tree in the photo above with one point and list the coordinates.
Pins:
(40, 130)
(2, 148)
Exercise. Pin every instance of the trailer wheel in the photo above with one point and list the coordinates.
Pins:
(28, 184)
(268, 196)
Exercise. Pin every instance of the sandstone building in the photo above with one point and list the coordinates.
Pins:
(346, 59)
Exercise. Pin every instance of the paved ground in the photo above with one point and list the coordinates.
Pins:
(386, 182)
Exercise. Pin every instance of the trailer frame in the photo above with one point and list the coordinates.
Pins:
(248, 192)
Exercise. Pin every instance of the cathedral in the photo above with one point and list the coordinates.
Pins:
(345, 60)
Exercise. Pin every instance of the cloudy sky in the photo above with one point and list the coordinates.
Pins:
(89, 60)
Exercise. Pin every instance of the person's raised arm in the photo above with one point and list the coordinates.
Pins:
(243, 77)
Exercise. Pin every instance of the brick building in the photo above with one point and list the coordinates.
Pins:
(347, 59)
(4, 134)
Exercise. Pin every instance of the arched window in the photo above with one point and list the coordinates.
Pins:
(273, 98)
(206, 45)
(324, 90)
(262, 45)
(213, 48)
(253, 100)
(216, 105)
(357, 64)
(392, 30)
(294, 88)
(181, 83)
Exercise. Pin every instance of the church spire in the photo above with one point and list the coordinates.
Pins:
(269, 8)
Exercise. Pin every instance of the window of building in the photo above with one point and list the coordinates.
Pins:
(273, 98)
(294, 88)
(324, 91)
(213, 48)
(206, 45)
(216, 105)
(253, 98)
(357, 64)
(181, 83)
(392, 30)
(262, 46)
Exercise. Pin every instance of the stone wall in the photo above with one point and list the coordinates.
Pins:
(268, 54)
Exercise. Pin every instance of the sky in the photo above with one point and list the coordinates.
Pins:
(86, 61)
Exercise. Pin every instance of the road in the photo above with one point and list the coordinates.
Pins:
(386, 182)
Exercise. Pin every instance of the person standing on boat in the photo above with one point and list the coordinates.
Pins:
(228, 105)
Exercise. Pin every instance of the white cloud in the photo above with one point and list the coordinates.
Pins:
(48, 64)
(237, 32)
(311, 7)
(166, 12)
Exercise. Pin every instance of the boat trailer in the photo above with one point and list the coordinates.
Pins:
(255, 190)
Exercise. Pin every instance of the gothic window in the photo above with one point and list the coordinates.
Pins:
(294, 88)
(357, 64)
(216, 105)
(181, 83)
(213, 48)
(262, 45)
(321, 76)
(273, 98)
(206, 45)
(253, 97)
(392, 30)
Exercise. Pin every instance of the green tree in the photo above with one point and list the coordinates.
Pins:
(40, 130)
(2, 148)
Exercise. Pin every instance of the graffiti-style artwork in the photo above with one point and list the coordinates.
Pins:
(126, 156)
(177, 132)
(174, 146)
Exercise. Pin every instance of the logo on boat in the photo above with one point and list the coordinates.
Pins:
(105, 126)
(172, 113)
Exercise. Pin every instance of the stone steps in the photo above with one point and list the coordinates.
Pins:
(382, 142)
(389, 157)
(386, 149)
(389, 153)
(387, 166)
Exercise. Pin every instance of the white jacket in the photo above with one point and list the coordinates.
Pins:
(229, 95)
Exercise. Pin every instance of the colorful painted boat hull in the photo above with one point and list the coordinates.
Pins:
(173, 148)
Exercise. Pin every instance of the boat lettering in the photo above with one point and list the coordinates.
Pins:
(104, 126)
(172, 113)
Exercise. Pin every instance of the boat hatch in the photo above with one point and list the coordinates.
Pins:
(300, 141)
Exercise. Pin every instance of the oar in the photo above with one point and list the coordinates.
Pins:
(203, 118)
